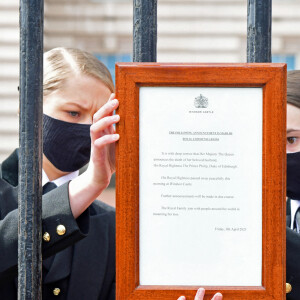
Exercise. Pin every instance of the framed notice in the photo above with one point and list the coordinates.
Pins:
(201, 180)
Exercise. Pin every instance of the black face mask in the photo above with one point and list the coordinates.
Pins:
(293, 176)
(66, 145)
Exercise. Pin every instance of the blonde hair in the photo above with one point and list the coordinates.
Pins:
(60, 64)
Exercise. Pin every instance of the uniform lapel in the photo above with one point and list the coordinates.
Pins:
(89, 261)
(10, 168)
(61, 266)
(288, 212)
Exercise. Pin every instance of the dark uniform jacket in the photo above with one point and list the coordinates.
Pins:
(83, 258)
(292, 258)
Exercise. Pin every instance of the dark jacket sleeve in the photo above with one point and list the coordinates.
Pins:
(55, 211)
(108, 291)
(112, 256)
(112, 294)
(293, 263)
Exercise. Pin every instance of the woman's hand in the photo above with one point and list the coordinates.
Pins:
(103, 137)
(84, 189)
(200, 295)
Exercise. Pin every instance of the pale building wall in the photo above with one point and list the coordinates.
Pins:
(9, 75)
(188, 31)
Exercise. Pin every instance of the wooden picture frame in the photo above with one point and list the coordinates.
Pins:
(130, 77)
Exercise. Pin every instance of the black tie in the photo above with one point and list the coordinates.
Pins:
(296, 225)
(49, 186)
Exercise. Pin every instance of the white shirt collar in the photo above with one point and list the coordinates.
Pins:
(294, 206)
(61, 180)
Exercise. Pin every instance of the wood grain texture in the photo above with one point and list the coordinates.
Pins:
(272, 78)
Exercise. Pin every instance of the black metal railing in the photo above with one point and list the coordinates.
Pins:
(259, 31)
(30, 153)
(144, 30)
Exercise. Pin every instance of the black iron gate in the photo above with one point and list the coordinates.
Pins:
(30, 164)
(31, 80)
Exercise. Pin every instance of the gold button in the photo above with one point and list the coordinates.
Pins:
(288, 288)
(46, 237)
(56, 291)
(61, 229)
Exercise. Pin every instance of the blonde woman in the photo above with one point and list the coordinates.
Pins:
(78, 231)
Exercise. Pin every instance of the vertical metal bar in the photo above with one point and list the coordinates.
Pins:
(30, 155)
(144, 30)
(259, 31)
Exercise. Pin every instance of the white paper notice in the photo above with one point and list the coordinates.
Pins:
(200, 186)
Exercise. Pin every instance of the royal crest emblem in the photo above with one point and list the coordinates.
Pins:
(201, 102)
